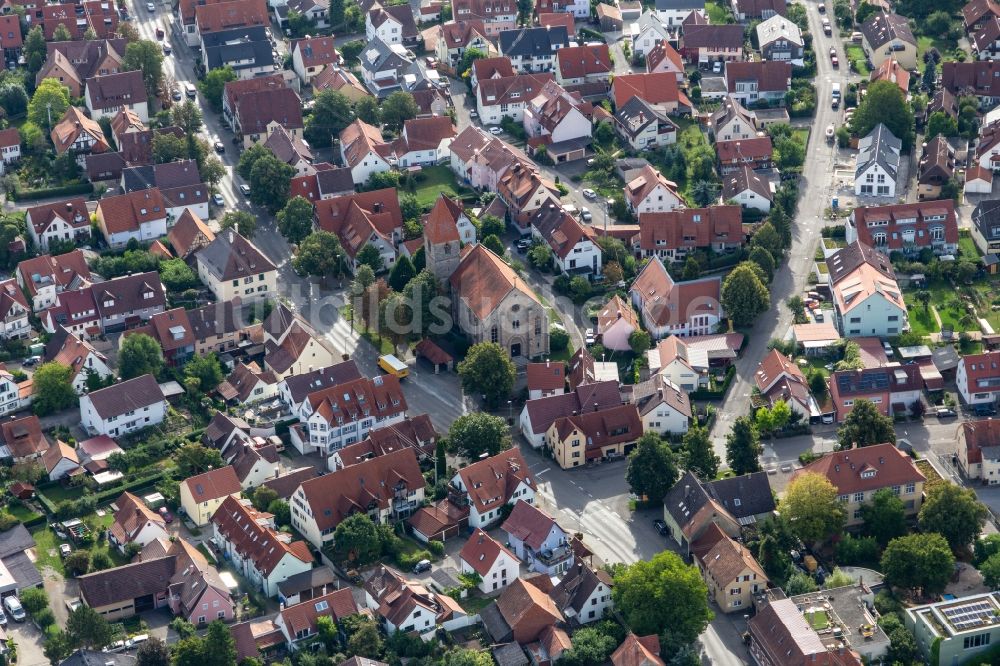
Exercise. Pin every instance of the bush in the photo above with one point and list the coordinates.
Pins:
(44, 618)
(408, 561)
(17, 194)
(558, 340)
(436, 548)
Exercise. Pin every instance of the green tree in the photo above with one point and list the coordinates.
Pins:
(367, 109)
(743, 447)
(320, 254)
(356, 540)
(13, 98)
(139, 355)
(33, 599)
(245, 223)
(401, 273)
(331, 113)
(326, 632)
(540, 256)
(884, 516)
(194, 459)
(397, 108)
(662, 595)
(491, 225)
(62, 34)
(77, 563)
(954, 512)
(220, 646)
(744, 295)
(639, 342)
(168, 148)
(88, 628)
(991, 571)
(145, 56)
(494, 245)
(884, 103)
(262, 496)
(800, 583)
(270, 181)
(34, 50)
(652, 469)
(48, 104)
(366, 641)
(295, 220)
(692, 269)
(489, 372)
(53, 389)
(701, 457)
(767, 237)
(188, 651)
(370, 256)
(918, 561)
(817, 384)
(774, 560)
(591, 647)
(420, 293)
(213, 84)
(464, 657)
(859, 551)
(764, 259)
(477, 433)
(249, 158)
(153, 652)
(205, 370)
(940, 123)
(865, 426)
(187, 115)
(812, 508)
(177, 275)
(779, 220)
(57, 646)
(471, 55)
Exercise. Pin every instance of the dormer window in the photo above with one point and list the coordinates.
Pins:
(868, 474)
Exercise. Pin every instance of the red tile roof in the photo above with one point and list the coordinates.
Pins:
(441, 224)
(301, 617)
(228, 15)
(316, 51)
(546, 376)
(980, 435)
(126, 212)
(919, 217)
(981, 367)
(638, 651)
(247, 531)
(579, 61)
(482, 280)
(666, 302)
(491, 482)
(659, 88)
(529, 524)
(690, 228)
(851, 471)
(735, 152)
(213, 484)
(481, 551)
(770, 75)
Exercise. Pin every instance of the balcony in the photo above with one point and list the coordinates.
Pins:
(557, 555)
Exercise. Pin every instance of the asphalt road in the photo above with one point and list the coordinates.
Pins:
(815, 187)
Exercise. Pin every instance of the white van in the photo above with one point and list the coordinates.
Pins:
(136, 641)
(190, 90)
(13, 606)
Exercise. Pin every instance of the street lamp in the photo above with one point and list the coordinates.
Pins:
(510, 412)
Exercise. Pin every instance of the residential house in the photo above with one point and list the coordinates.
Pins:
(986, 226)
(291, 150)
(392, 24)
(977, 13)
(101, 17)
(615, 324)
(748, 10)
(105, 95)
(657, 89)
(23, 440)
(14, 311)
(583, 594)
(415, 433)
(638, 651)
(79, 135)
(364, 151)
(297, 622)
(935, 169)
(780, 39)
(958, 630)
(578, 65)
(545, 379)
(455, 38)
(383, 67)
(673, 12)
(523, 190)
(202, 495)
(559, 121)
(254, 461)
(173, 575)
(43, 278)
(118, 303)
(73, 62)
(495, 15)
(585, 369)
(424, 141)
(643, 125)
(732, 121)
(549, 11)
(890, 70)
(134, 522)
(260, 108)
(331, 418)
(372, 218)
(328, 182)
(407, 606)
(680, 365)
(179, 182)
(594, 435)
(679, 308)
(83, 360)
(495, 565)
(248, 384)
(664, 58)
(61, 462)
(756, 153)
(978, 181)
(506, 97)
(386, 488)
(246, 50)
(978, 450)
(987, 151)
(188, 235)
(672, 236)
(538, 540)
(139, 215)
(704, 44)
(907, 228)
(532, 50)
(124, 407)
(311, 55)
(878, 163)
(648, 32)
(859, 473)
(574, 248)
(522, 613)
(10, 148)
(490, 68)
(491, 302)
(780, 634)
(752, 83)
(866, 298)
(978, 377)
(979, 78)
(249, 540)
(63, 220)
(487, 485)
(291, 345)
(538, 415)
(778, 378)
(664, 408)
(231, 267)
(650, 192)
(888, 35)
(338, 79)
(748, 188)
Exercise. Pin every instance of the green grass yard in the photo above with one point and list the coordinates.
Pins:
(926, 42)
(967, 246)
(435, 181)
(922, 323)
(818, 619)
(856, 55)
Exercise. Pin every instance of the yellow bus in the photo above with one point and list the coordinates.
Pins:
(393, 366)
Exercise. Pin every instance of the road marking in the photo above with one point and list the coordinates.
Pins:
(543, 471)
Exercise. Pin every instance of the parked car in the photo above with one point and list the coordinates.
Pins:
(822, 8)
(136, 641)
(888, 348)
(717, 67)
(13, 606)
(585, 215)
(589, 337)
(176, 95)
(34, 360)
(660, 526)
(523, 245)
(117, 646)
(150, 7)
(496, 131)
(473, 114)
(167, 516)
(944, 413)
(828, 419)
(422, 566)
(64, 550)
(166, 49)
(218, 200)
(220, 147)
(589, 194)
(245, 190)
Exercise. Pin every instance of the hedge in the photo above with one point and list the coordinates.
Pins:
(66, 190)
(705, 394)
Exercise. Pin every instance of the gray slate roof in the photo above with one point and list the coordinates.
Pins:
(677, 5)
(531, 42)
(242, 48)
(880, 147)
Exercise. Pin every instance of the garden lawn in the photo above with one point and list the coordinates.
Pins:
(22, 513)
(58, 493)
(922, 323)
(856, 55)
(435, 181)
(967, 246)
(926, 42)
(818, 620)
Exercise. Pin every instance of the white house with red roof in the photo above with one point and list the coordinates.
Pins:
(979, 450)
(496, 565)
(63, 220)
(616, 322)
(779, 378)
(978, 378)
(311, 55)
(651, 192)
(492, 483)
(135, 523)
(664, 58)
(676, 308)
(298, 622)
(10, 148)
(574, 249)
(545, 379)
(538, 540)
(14, 310)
